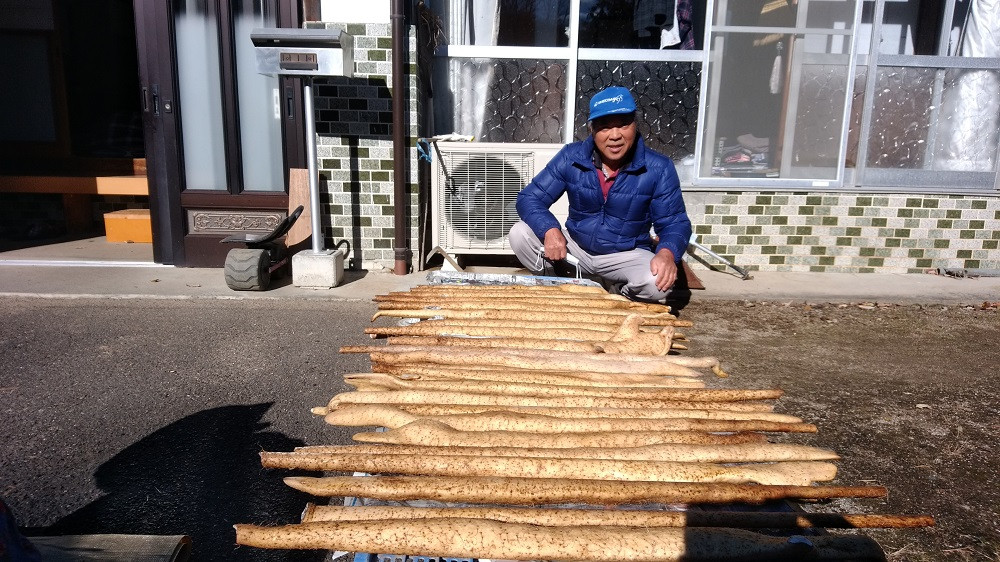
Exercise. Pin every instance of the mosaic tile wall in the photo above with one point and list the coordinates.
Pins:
(354, 149)
(782, 231)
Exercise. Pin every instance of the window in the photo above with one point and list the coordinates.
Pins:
(642, 24)
(776, 99)
(504, 76)
(741, 93)
(926, 101)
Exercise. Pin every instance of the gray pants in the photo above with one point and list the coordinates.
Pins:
(629, 269)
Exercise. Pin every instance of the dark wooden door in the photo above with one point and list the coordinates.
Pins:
(220, 137)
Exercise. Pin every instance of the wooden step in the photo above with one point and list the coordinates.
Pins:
(128, 225)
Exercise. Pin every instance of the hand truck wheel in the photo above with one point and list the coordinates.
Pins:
(248, 269)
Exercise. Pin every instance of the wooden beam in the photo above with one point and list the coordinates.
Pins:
(92, 185)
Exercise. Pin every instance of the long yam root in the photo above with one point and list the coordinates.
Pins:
(385, 416)
(486, 372)
(427, 431)
(537, 359)
(756, 452)
(542, 491)
(381, 381)
(629, 517)
(447, 375)
(795, 473)
(455, 537)
(699, 398)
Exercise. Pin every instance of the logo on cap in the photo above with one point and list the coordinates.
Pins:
(616, 99)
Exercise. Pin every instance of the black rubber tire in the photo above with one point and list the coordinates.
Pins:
(247, 270)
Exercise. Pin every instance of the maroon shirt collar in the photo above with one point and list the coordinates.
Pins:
(606, 182)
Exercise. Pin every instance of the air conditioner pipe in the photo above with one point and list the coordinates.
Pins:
(401, 249)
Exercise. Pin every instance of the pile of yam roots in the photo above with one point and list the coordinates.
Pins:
(560, 423)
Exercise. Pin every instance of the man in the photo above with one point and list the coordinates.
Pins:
(617, 189)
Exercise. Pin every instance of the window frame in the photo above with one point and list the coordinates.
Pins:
(916, 180)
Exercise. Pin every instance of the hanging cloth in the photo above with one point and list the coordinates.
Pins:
(671, 36)
(970, 108)
(777, 71)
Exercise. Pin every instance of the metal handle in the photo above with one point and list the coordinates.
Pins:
(156, 100)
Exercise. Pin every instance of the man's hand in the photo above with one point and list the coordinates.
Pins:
(663, 267)
(555, 245)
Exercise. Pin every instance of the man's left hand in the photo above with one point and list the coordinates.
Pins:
(664, 268)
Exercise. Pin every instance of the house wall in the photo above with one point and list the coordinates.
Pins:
(761, 230)
(847, 232)
(355, 149)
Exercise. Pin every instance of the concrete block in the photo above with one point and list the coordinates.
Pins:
(318, 270)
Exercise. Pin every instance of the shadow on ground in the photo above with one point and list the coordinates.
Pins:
(197, 477)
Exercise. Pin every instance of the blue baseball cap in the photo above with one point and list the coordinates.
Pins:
(611, 101)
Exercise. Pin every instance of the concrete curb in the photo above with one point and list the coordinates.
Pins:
(109, 280)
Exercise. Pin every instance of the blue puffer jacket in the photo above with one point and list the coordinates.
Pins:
(646, 193)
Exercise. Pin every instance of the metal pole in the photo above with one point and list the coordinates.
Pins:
(400, 147)
(314, 210)
(569, 128)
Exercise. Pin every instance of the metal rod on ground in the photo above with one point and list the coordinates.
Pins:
(693, 242)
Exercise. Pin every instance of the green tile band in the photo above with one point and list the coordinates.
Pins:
(890, 233)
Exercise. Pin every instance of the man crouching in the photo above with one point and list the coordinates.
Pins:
(618, 189)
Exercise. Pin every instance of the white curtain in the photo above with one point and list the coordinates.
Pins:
(469, 22)
(970, 108)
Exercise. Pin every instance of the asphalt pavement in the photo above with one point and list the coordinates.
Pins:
(94, 267)
(146, 417)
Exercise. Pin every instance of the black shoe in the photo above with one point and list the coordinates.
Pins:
(612, 287)
(564, 269)
(546, 271)
(561, 268)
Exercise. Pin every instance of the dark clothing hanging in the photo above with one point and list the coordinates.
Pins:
(651, 16)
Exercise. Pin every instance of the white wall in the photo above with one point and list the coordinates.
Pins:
(354, 11)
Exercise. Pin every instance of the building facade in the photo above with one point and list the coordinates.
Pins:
(875, 175)
(817, 135)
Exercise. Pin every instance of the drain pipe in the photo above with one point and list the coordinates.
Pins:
(401, 244)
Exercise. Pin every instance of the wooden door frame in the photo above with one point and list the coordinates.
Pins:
(169, 200)
(162, 167)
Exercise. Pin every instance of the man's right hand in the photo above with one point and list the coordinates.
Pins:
(555, 245)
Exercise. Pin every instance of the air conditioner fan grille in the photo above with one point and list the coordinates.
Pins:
(478, 196)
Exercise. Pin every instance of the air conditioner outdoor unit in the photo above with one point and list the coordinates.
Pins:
(474, 189)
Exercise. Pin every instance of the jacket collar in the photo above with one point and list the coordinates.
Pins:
(585, 156)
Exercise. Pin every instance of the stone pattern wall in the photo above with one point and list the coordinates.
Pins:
(355, 152)
(783, 231)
